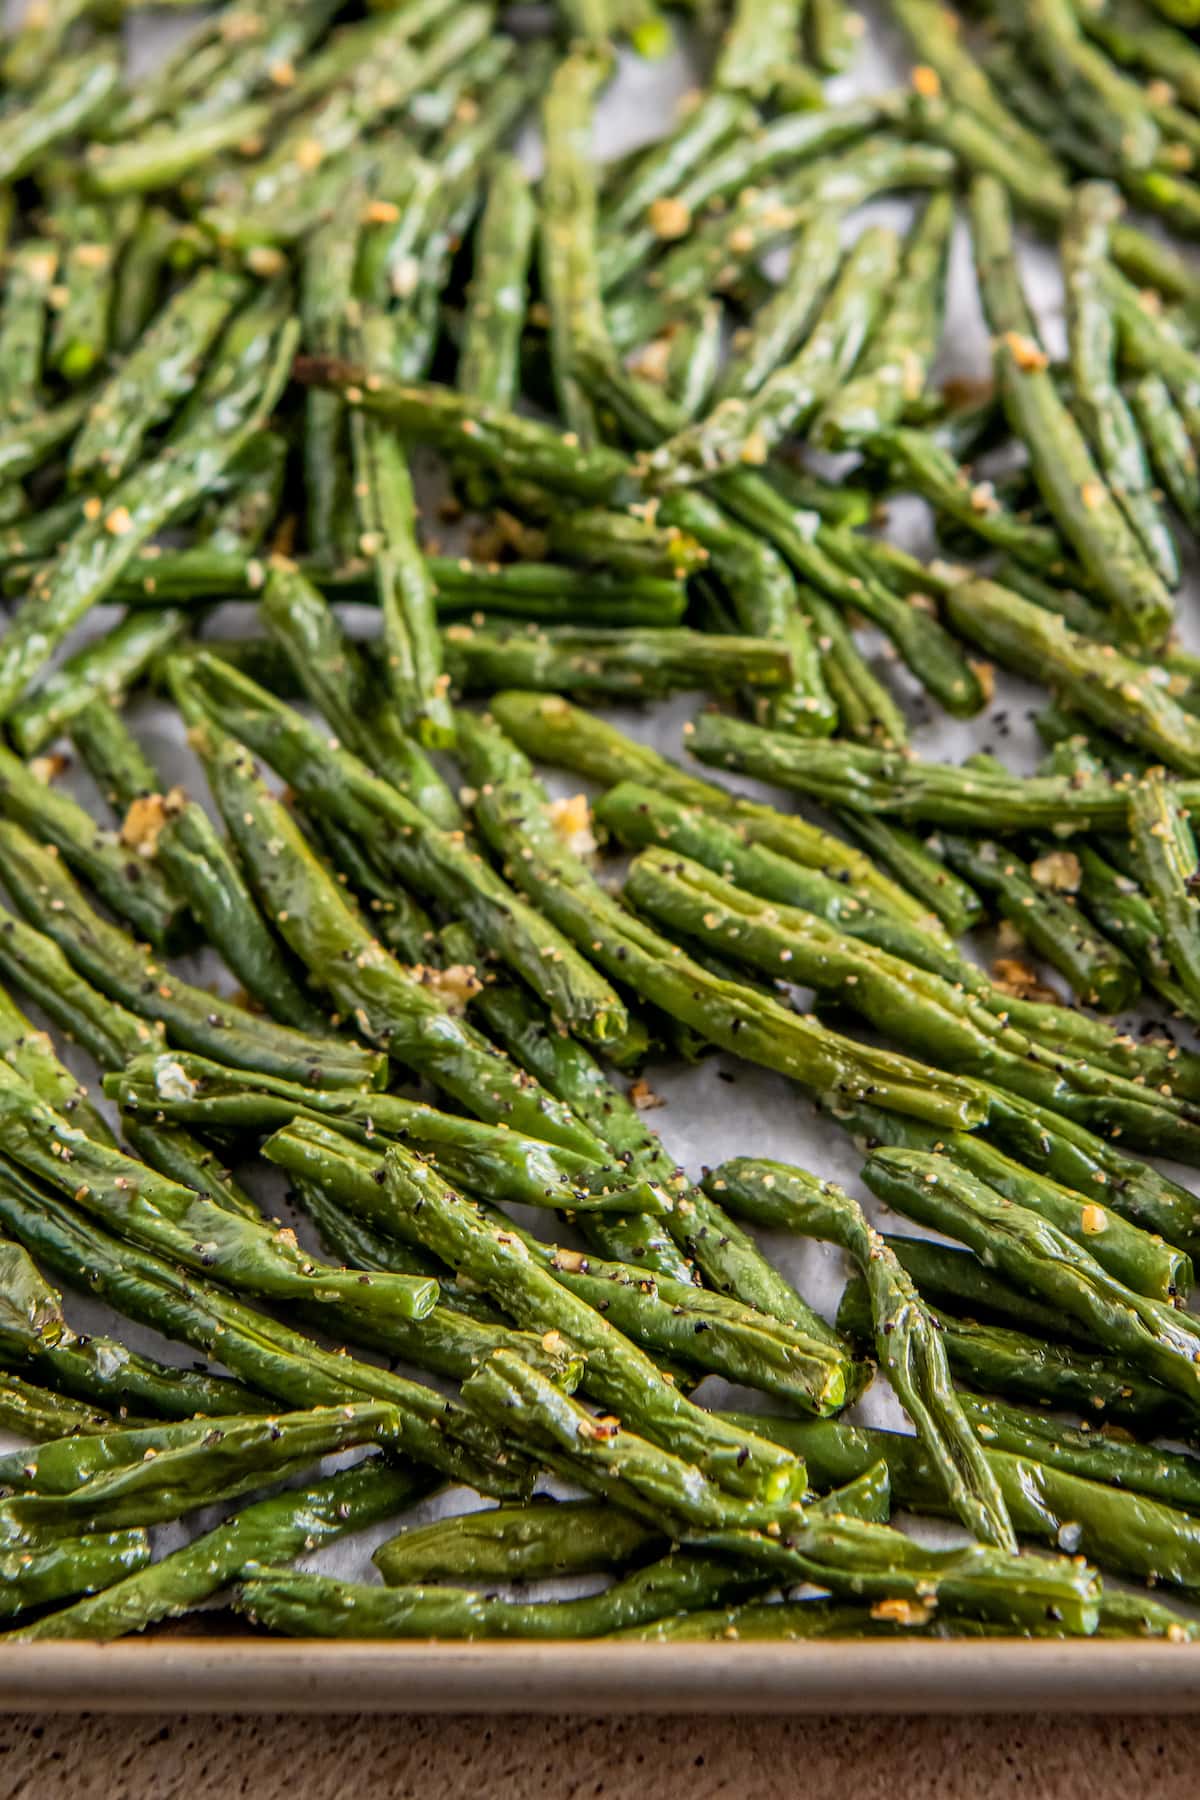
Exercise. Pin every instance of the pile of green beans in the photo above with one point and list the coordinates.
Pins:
(272, 318)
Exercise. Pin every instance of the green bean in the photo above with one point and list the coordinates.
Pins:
(633, 664)
(1030, 1369)
(103, 671)
(819, 553)
(881, 782)
(1113, 107)
(489, 360)
(915, 462)
(747, 431)
(131, 889)
(327, 280)
(69, 100)
(487, 1159)
(386, 1000)
(275, 1358)
(1165, 852)
(318, 1606)
(834, 32)
(618, 1373)
(866, 709)
(949, 897)
(1104, 414)
(779, 327)
(761, 41)
(556, 732)
(907, 1342)
(82, 295)
(278, 198)
(190, 1227)
(1097, 970)
(481, 434)
(1168, 445)
(161, 371)
(1124, 1531)
(412, 663)
(1154, 1336)
(133, 975)
(570, 277)
(1135, 1256)
(334, 675)
(30, 269)
(296, 1521)
(443, 865)
(200, 866)
(894, 366)
(1081, 503)
(729, 1013)
(243, 382)
(31, 1055)
(517, 1543)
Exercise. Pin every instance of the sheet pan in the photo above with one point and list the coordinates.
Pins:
(712, 1109)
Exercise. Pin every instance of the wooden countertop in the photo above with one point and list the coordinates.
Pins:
(161, 1757)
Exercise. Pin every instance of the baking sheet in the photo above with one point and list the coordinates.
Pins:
(711, 1110)
(274, 1675)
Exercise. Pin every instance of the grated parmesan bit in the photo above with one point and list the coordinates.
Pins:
(1059, 870)
(669, 218)
(572, 822)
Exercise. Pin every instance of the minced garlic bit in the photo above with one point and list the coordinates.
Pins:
(1059, 870)
(1024, 352)
(140, 829)
(985, 675)
(1093, 494)
(572, 822)
(48, 768)
(653, 360)
(171, 1081)
(143, 823)
(669, 218)
(599, 1429)
(454, 985)
(926, 81)
(1020, 980)
(265, 260)
(642, 1096)
(903, 1612)
(1093, 1219)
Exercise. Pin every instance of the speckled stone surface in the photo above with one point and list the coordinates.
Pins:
(456, 1758)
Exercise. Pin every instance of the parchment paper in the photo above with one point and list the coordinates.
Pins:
(717, 1107)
